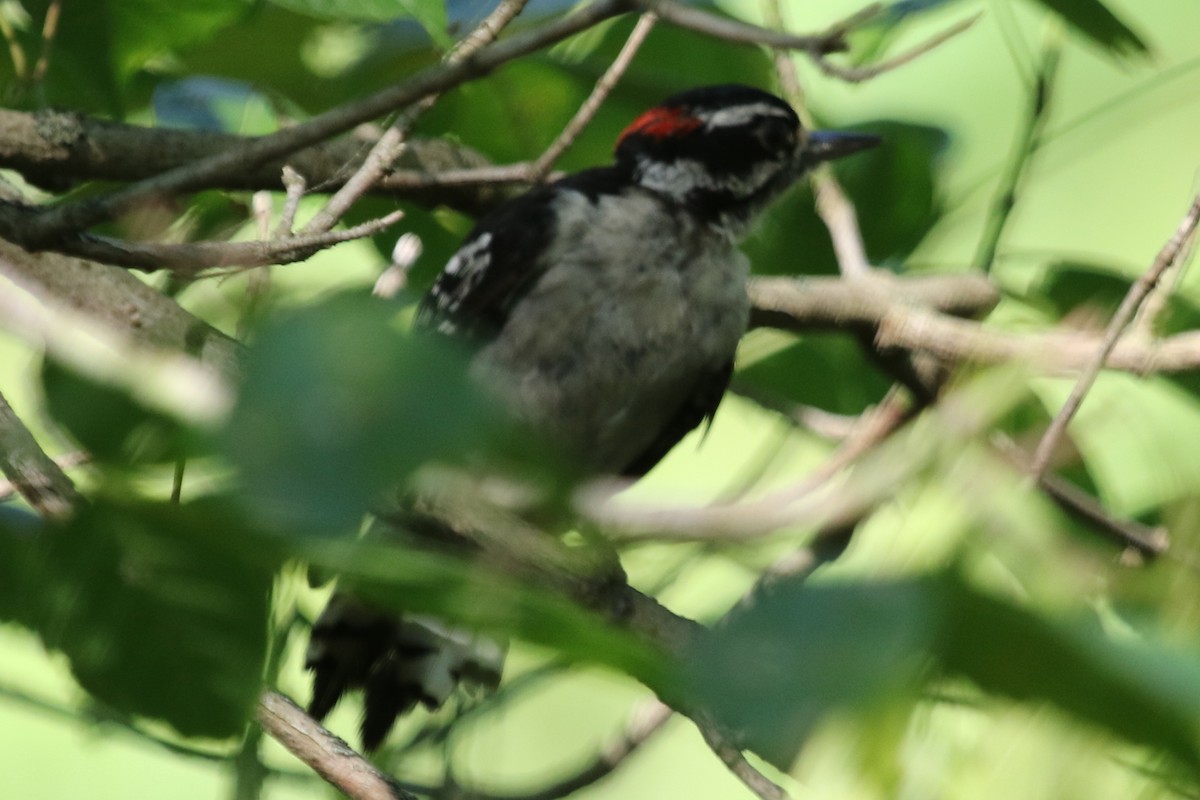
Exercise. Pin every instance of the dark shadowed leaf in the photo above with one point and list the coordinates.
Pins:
(1094, 20)
(158, 615)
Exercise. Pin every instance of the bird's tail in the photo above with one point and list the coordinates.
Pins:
(397, 662)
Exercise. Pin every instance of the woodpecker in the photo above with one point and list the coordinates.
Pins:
(605, 309)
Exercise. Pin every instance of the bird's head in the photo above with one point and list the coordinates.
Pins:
(727, 151)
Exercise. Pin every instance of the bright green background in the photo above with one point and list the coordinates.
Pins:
(1107, 191)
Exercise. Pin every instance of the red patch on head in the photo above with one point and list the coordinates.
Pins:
(661, 122)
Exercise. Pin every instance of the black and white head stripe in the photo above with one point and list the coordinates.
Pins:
(744, 115)
(726, 150)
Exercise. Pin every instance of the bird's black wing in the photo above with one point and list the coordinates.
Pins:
(498, 261)
(700, 405)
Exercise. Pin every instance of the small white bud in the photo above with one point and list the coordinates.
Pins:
(407, 250)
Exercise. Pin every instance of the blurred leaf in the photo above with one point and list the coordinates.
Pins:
(338, 407)
(1092, 19)
(801, 652)
(107, 422)
(895, 191)
(776, 670)
(99, 45)
(158, 615)
(1138, 689)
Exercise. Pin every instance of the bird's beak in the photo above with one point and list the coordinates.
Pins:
(828, 145)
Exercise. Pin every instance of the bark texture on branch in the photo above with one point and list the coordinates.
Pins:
(57, 149)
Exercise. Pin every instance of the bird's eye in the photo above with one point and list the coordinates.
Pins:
(776, 135)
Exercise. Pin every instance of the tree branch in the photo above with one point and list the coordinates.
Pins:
(394, 140)
(35, 475)
(326, 754)
(57, 149)
(121, 302)
(57, 222)
(190, 258)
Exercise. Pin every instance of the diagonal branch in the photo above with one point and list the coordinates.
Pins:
(326, 754)
(38, 479)
(56, 149)
(394, 140)
(70, 218)
(541, 167)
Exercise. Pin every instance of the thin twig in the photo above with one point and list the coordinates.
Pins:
(860, 74)
(1019, 160)
(840, 217)
(1156, 302)
(1146, 541)
(875, 425)
(830, 41)
(643, 725)
(394, 140)
(823, 504)
(600, 91)
(1128, 308)
(834, 208)
(1055, 353)
(295, 185)
(49, 31)
(189, 258)
(731, 756)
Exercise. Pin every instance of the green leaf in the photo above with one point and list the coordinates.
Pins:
(338, 407)
(779, 668)
(1140, 690)
(156, 608)
(1092, 19)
